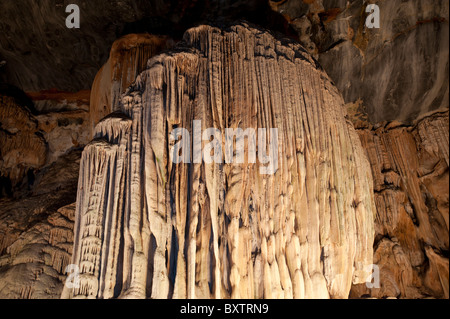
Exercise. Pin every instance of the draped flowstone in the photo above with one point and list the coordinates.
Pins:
(149, 228)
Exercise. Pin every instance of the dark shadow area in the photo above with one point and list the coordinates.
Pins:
(187, 14)
(19, 96)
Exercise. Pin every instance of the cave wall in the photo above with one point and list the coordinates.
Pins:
(411, 183)
(36, 233)
(398, 71)
(30, 142)
(56, 67)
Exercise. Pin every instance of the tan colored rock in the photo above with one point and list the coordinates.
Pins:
(410, 173)
(34, 265)
(22, 146)
(128, 57)
(53, 100)
(146, 227)
(36, 233)
(30, 141)
(64, 131)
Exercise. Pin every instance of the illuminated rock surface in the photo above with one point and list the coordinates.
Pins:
(36, 233)
(146, 227)
(410, 172)
(128, 57)
(397, 73)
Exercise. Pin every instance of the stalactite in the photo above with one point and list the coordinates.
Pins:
(224, 230)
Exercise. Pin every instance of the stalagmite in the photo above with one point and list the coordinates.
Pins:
(146, 227)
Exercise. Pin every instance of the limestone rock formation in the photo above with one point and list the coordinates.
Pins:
(22, 146)
(34, 265)
(128, 58)
(29, 142)
(373, 65)
(36, 233)
(146, 227)
(399, 71)
(54, 100)
(38, 52)
(39, 164)
(410, 166)
(63, 131)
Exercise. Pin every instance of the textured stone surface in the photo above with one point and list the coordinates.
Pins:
(29, 142)
(399, 71)
(146, 227)
(374, 65)
(33, 266)
(411, 182)
(53, 100)
(64, 131)
(128, 58)
(22, 146)
(39, 162)
(36, 233)
(38, 52)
